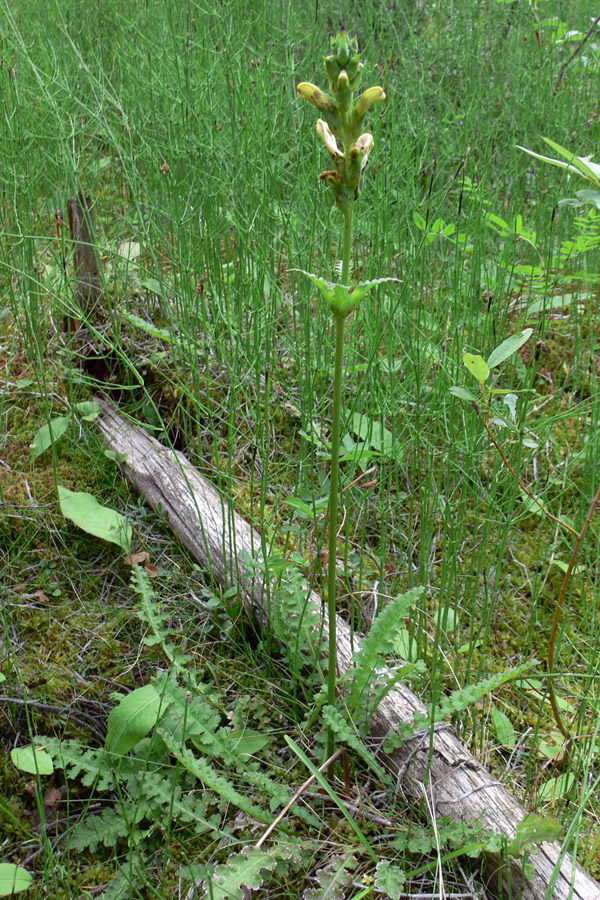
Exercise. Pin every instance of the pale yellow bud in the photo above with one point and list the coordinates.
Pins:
(324, 132)
(316, 96)
(368, 98)
(364, 144)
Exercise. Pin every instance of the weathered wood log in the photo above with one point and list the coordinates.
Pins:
(457, 785)
(87, 270)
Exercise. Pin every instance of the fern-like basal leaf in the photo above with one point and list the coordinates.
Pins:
(122, 886)
(378, 642)
(80, 762)
(279, 794)
(192, 716)
(332, 879)
(169, 798)
(469, 695)
(105, 829)
(390, 880)
(212, 779)
(244, 870)
(345, 732)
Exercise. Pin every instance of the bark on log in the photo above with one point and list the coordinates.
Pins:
(87, 271)
(457, 784)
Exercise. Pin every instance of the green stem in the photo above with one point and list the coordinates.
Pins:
(334, 480)
(347, 244)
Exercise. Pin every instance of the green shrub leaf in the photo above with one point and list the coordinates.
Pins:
(477, 366)
(508, 347)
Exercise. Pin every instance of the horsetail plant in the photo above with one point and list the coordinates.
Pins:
(342, 119)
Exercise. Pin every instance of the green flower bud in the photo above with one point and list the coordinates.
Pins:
(354, 69)
(343, 93)
(316, 96)
(343, 46)
(333, 70)
(369, 97)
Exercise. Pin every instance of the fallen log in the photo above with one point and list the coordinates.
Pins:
(457, 785)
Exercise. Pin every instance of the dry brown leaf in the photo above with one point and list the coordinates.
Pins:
(137, 559)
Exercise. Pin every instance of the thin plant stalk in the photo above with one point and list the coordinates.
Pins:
(335, 479)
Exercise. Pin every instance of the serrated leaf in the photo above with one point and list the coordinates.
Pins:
(49, 434)
(534, 829)
(462, 393)
(477, 366)
(503, 728)
(389, 879)
(106, 829)
(130, 721)
(244, 870)
(13, 879)
(508, 347)
(89, 515)
(333, 879)
(32, 759)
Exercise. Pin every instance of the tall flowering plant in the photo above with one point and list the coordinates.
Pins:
(342, 120)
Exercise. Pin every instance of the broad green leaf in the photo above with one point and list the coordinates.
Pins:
(477, 366)
(390, 880)
(244, 743)
(88, 410)
(32, 759)
(129, 250)
(463, 393)
(374, 433)
(508, 347)
(503, 728)
(132, 719)
(49, 434)
(419, 221)
(589, 196)
(149, 327)
(511, 400)
(13, 879)
(531, 504)
(101, 521)
(559, 302)
(153, 285)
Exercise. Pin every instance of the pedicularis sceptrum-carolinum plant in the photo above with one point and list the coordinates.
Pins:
(343, 121)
